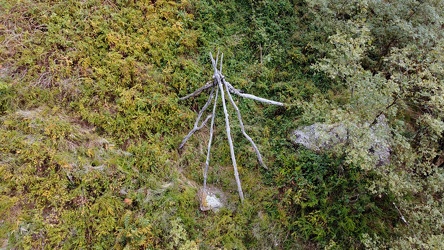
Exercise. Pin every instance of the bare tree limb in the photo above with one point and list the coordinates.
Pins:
(196, 123)
(219, 80)
(217, 57)
(207, 162)
(221, 59)
(196, 128)
(214, 63)
(235, 91)
(382, 111)
(198, 91)
(227, 126)
(239, 117)
(400, 214)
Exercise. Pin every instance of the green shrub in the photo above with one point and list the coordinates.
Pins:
(90, 123)
(326, 201)
(5, 96)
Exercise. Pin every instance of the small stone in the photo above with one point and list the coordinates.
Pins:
(210, 199)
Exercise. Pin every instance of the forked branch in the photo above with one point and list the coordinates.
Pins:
(196, 123)
(220, 84)
(239, 117)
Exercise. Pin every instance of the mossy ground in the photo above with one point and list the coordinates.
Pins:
(90, 124)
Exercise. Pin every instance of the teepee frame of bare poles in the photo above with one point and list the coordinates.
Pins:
(220, 84)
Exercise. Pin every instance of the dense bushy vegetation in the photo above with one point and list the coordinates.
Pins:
(90, 124)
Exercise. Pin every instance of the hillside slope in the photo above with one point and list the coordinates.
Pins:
(91, 123)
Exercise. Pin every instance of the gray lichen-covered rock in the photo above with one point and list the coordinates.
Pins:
(211, 198)
(320, 137)
(380, 138)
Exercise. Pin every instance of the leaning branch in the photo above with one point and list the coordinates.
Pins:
(239, 117)
(400, 214)
(207, 162)
(382, 111)
(227, 126)
(196, 128)
(235, 91)
(196, 123)
(198, 91)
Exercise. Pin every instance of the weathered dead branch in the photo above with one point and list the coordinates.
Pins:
(235, 91)
(198, 91)
(196, 123)
(218, 84)
(239, 117)
(228, 130)
(207, 162)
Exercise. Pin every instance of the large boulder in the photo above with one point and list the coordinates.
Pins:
(321, 137)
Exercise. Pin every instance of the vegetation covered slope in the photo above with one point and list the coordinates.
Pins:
(90, 124)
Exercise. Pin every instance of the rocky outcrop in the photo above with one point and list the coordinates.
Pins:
(321, 137)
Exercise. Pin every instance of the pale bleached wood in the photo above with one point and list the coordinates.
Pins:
(235, 91)
(239, 117)
(198, 91)
(196, 123)
(196, 128)
(219, 80)
(221, 59)
(207, 161)
(228, 131)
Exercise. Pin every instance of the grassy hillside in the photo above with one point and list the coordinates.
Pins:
(91, 122)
